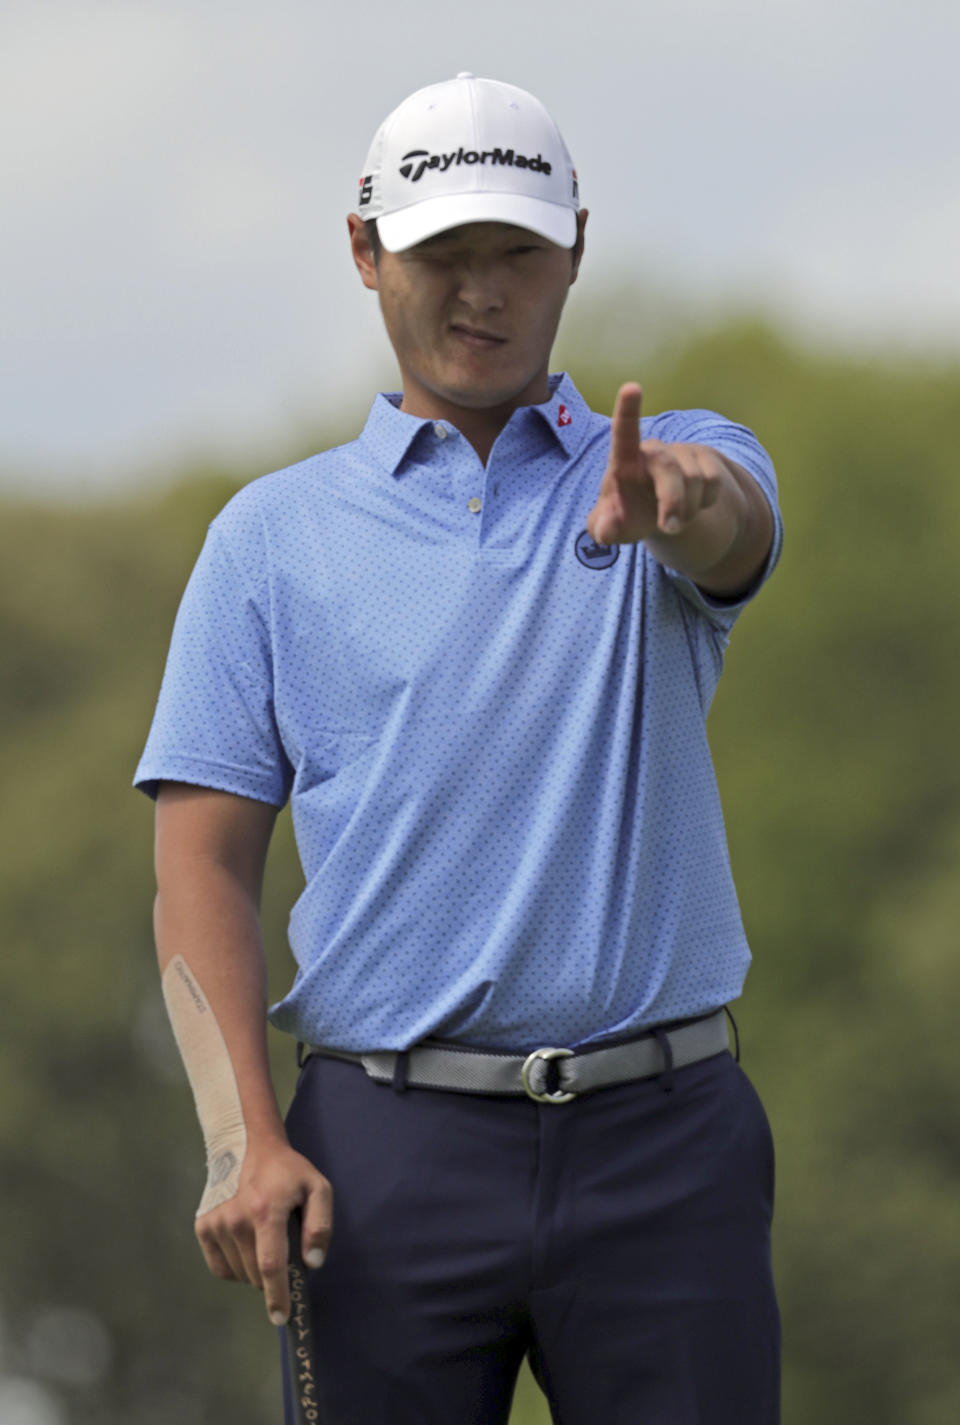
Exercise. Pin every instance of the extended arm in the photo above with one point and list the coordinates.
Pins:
(211, 850)
(695, 509)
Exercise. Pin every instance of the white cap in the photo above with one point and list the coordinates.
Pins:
(469, 151)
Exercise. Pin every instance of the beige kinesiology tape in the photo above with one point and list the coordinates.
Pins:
(207, 1062)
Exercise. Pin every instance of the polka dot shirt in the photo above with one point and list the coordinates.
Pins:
(491, 731)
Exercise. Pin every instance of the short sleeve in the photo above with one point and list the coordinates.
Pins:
(739, 444)
(215, 724)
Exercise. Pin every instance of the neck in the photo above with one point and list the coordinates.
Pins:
(480, 426)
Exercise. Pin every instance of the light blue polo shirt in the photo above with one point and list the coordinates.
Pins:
(491, 731)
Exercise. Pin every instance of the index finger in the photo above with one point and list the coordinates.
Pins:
(625, 425)
(272, 1258)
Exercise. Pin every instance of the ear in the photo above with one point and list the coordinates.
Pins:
(582, 217)
(362, 252)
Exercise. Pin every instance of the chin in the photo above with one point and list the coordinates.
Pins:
(479, 395)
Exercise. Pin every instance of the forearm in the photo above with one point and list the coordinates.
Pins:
(206, 916)
(211, 849)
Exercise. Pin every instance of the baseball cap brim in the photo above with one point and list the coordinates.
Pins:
(407, 226)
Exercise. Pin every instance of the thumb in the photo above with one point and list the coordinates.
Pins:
(317, 1222)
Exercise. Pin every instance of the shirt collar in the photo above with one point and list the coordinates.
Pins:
(566, 414)
(389, 432)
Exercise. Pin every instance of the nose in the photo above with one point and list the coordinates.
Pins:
(480, 286)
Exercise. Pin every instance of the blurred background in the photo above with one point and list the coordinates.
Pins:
(775, 204)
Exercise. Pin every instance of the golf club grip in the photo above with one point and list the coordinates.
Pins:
(299, 1333)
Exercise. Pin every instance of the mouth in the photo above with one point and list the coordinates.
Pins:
(475, 338)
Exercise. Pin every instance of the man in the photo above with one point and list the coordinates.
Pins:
(476, 648)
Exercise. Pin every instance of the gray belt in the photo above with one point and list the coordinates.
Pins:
(434, 1065)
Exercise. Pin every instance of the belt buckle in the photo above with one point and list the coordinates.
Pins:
(531, 1059)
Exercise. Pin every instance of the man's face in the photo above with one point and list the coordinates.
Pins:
(472, 314)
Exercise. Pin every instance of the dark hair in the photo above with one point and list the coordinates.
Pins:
(373, 237)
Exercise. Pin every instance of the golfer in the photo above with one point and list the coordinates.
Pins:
(475, 649)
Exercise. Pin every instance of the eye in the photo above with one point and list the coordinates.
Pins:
(433, 257)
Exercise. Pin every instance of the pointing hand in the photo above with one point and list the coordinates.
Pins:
(650, 489)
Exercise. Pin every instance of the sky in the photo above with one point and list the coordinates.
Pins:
(174, 181)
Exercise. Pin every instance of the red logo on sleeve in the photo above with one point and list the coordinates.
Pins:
(564, 418)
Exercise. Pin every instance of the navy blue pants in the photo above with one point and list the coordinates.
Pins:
(621, 1241)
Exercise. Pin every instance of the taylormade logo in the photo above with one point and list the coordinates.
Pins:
(418, 160)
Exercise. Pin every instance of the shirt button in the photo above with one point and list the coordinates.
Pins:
(475, 506)
(440, 431)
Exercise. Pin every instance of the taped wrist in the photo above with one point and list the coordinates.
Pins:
(214, 1084)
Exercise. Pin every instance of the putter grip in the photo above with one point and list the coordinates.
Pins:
(299, 1333)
